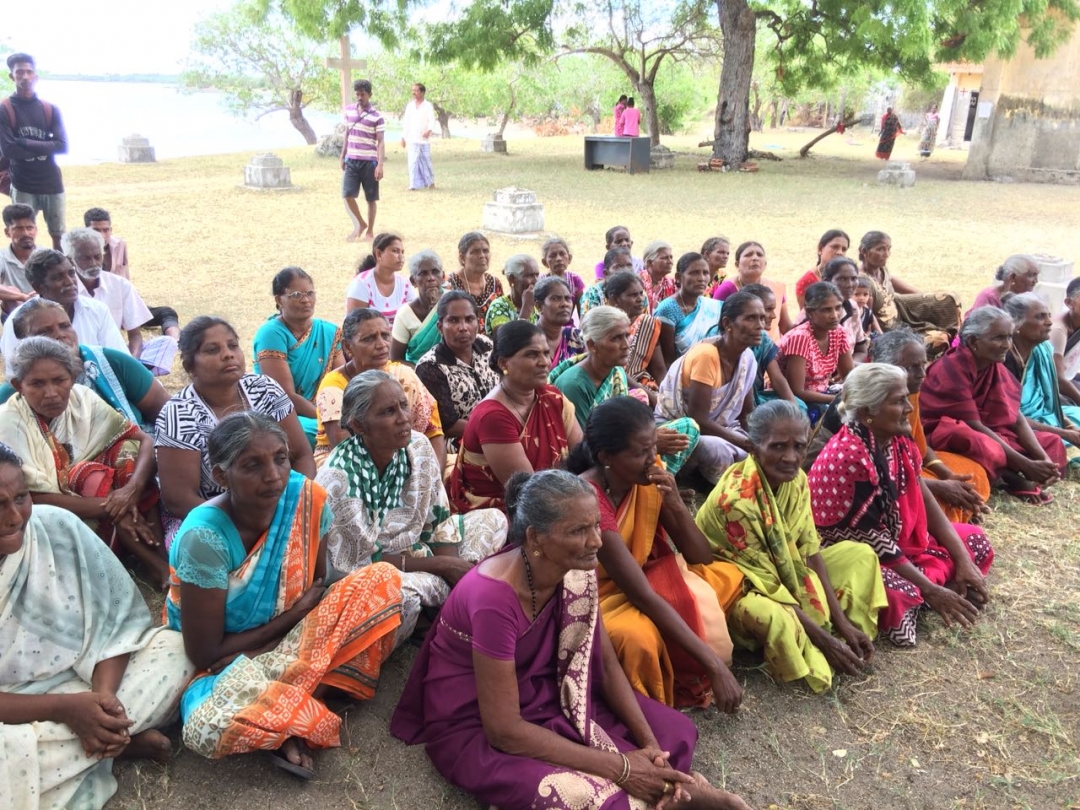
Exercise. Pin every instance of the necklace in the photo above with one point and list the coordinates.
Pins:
(682, 302)
(529, 579)
(516, 406)
(1020, 359)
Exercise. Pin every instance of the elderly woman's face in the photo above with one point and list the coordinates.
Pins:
(891, 417)
(370, 346)
(476, 258)
(558, 306)
(632, 464)
(878, 255)
(53, 323)
(573, 542)
(387, 426)
(746, 329)
(526, 279)
(621, 238)
(695, 279)
(1026, 281)
(632, 300)
(59, 284)
(718, 256)
(259, 474)
(1035, 328)
(15, 508)
(782, 452)
(661, 263)
(428, 280)
(459, 326)
(46, 387)
(529, 367)
(219, 358)
(557, 259)
(613, 349)
(993, 344)
(912, 360)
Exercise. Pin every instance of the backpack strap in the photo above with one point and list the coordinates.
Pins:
(9, 108)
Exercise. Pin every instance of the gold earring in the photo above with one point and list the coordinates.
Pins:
(869, 420)
(536, 552)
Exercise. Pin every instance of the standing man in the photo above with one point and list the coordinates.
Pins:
(416, 124)
(31, 135)
(20, 226)
(362, 157)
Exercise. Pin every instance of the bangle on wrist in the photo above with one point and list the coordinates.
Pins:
(933, 463)
(625, 771)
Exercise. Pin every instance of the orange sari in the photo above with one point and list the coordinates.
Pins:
(957, 464)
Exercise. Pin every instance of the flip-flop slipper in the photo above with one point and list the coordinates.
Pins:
(299, 771)
(1032, 497)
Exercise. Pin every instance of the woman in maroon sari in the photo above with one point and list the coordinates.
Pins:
(970, 405)
(517, 692)
(865, 486)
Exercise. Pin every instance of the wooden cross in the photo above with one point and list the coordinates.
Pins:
(346, 65)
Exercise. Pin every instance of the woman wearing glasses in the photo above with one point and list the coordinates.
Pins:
(296, 349)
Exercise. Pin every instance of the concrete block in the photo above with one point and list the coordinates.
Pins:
(897, 173)
(513, 210)
(660, 157)
(1054, 276)
(493, 143)
(136, 149)
(267, 172)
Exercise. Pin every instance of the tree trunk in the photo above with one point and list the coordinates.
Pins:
(443, 115)
(731, 135)
(509, 107)
(774, 108)
(755, 115)
(647, 103)
(806, 149)
(296, 116)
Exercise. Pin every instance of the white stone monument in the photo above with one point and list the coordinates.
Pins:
(660, 157)
(514, 210)
(267, 172)
(136, 149)
(1054, 276)
(897, 173)
(493, 142)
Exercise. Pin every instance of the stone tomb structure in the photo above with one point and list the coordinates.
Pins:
(267, 172)
(136, 149)
(514, 211)
(897, 173)
(1054, 276)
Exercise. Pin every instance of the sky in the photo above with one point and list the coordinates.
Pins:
(121, 36)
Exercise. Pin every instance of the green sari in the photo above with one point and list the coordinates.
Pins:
(1040, 399)
(424, 339)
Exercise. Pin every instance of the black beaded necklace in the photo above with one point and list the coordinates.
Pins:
(529, 579)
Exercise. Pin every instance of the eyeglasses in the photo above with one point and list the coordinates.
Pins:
(297, 295)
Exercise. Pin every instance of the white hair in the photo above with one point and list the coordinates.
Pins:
(71, 240)
(601, 321)
(866, 388)
(1015, 265)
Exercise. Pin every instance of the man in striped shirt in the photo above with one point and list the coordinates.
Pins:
(362, 157)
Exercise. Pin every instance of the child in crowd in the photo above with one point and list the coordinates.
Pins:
(862, 297)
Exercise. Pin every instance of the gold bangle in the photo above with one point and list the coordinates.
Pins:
(930, 464)
(625, 771)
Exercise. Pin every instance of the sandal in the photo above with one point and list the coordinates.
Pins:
(1032, 497)
(299, 771)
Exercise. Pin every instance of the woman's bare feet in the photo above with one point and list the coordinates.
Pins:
(705, 796)
(294, 757)
(149, 744)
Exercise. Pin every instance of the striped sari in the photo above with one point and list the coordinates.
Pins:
(257, 703)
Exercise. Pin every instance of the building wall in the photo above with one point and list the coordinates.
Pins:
(1032, 130)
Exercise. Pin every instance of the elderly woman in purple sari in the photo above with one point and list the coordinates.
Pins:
(518, 694)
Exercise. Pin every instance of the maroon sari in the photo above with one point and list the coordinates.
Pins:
(560, 674)
(956, 392)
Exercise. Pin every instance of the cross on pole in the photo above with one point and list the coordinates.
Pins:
(346, 65)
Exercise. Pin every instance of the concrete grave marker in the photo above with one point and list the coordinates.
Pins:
(514, 210)
(136, 149)
(267, 172)
(897, 173)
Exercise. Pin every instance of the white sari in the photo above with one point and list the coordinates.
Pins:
(66, 604)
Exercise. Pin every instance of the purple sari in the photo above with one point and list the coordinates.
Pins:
(560, 672)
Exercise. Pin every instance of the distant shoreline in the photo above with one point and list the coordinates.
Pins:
(127, 78)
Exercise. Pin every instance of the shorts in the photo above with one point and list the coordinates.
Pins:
(360, 174)
(51, 206)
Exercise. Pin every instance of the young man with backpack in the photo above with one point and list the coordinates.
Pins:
(31, 135)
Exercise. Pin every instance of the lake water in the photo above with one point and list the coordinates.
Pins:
(97, 115)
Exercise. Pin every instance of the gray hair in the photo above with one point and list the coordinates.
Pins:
(543, 287)
(34, 349)
(71, 240)
(979, 321)
(20, 321)
(1015, 265)
(539, 500)
(1019, 304)
(518, 264)
(550, 242)
(866, 388)
(358, 395)
(601, 321)
(423, 256)
(234, 433)
(763, 417)
(654, 248)
(888, 347)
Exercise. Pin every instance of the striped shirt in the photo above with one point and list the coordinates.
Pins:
(364, 127)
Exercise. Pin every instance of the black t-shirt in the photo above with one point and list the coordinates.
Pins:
(31, 146)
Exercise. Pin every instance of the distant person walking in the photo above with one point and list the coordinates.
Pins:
(631, 119)
(928, 136)
(890, 128)
(362, 157)
(620, 108)
(31, 135)
(416, 124)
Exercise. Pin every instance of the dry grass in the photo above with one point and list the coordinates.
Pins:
(979, 719)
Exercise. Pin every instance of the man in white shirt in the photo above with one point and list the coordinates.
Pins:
(85, 247)
(53, 277)
(416, 124)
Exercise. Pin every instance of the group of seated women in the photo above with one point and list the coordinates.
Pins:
(501, 467)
